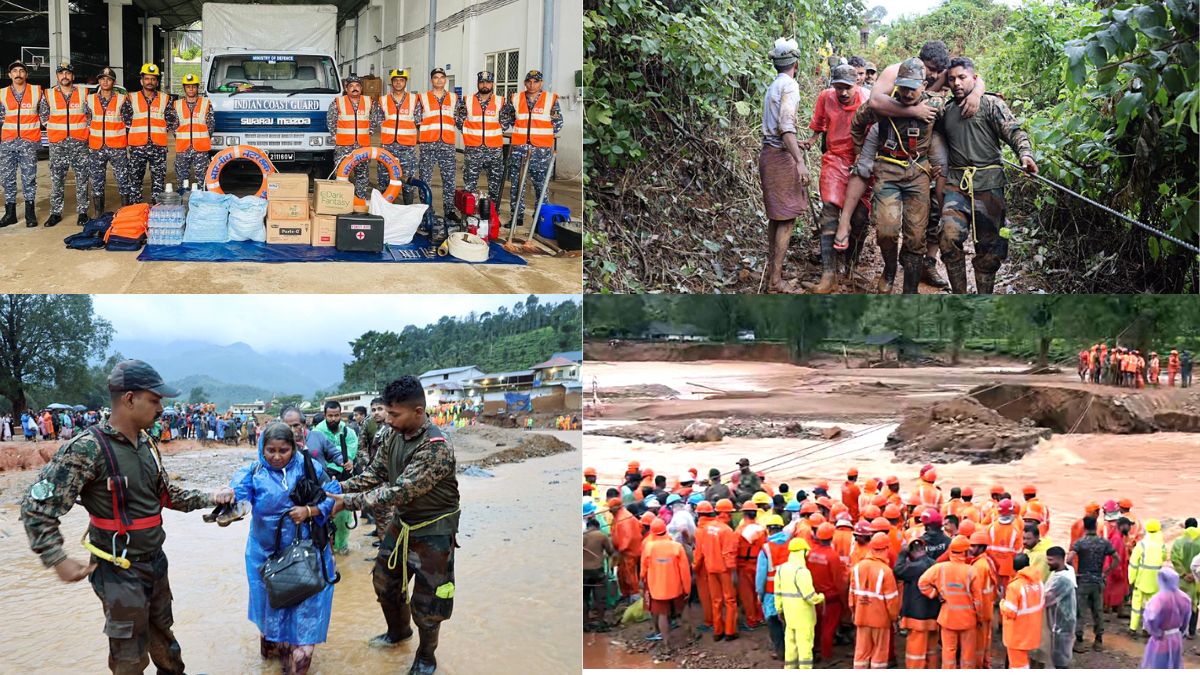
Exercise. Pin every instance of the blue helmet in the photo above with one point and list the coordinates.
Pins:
(671, 499)
(695, 498)
(589, 508)
(651, 502)
(792, 505)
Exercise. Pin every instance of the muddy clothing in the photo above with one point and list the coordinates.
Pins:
(975, 141)
(137, 615)
(748, 484)
(597, 548)
(381, 513)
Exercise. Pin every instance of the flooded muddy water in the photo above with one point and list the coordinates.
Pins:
(517, 601)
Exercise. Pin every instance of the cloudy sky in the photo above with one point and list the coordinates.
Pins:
(286, 323)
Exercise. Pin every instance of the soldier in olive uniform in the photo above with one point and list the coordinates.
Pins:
(974, 201)
(748, 482)
(128, 569)
(68, 152)
(376, 432)
(414, 472)
(902, 177)
(478, 155)
(525, 143)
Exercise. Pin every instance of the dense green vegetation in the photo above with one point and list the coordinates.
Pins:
(1107, 91)
(1039, 327)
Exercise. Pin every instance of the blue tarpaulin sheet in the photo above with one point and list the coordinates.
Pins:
(517, 402)
(420, 250)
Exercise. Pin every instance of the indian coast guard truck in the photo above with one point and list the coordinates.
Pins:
(270, 74)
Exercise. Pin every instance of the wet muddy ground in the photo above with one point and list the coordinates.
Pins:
(510, 616)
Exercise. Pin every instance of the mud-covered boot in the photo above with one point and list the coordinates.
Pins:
(912, 271)
(956, 270)
(825, 286)
(424, 662)
(10, 215)
(54, 219)
(985, 282)
(30, 215)
(929, 273)
(887, 280)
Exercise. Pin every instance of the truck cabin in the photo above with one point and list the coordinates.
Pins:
(284, 74)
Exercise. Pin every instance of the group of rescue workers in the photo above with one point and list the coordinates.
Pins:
(1126, 367)
(868, 565)
(916, 152)
(87, 132)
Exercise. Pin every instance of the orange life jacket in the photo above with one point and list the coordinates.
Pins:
(193, 126)
(985, 584)
(437, 119)
(149, 123)
(398, 124)
(1021, 611)
(21, 119)
(952, 581)
(750, 539)
(533, 125)
(482, 126)
(777, 554)
(353, 125)
(67, 118)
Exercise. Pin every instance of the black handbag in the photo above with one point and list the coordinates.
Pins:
(294, 574)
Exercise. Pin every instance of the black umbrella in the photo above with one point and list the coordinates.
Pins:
(79, 408)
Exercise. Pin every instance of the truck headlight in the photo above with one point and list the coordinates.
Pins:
(316, 141)
(218, 140)
(234, 140)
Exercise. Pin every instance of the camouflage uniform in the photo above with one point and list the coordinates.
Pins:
(22, 154)
(191, 163)
(901, 191)
(407, 154)
(976, 171)
(360, 175)
(69, 153)
(748, 484)
(149, 154)
(381, 513)
(443, 156)
(137, 601)
(99, 160)
(478, 159)
(416, 475)
(539, 158)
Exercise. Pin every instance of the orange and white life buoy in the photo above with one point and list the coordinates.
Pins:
(212, 175)
(387, 159)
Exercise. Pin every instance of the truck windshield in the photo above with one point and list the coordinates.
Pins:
(278, 73)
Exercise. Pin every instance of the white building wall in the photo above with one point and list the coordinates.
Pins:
(462, 50)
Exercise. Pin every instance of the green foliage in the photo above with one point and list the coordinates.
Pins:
(968, 27)
(198, 395)
(508, 339)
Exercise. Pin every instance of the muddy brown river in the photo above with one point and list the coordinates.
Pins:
(510, 614)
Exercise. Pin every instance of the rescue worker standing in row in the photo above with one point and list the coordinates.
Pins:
(535, 119)
(400, 113)
(107, 138)
(194, 120)
(351, 120)
(438, 136)
(116, 472)
(64, 112)
(20, 138)
(414, 472)
(483, 137)
(148, 114)
(797, 598)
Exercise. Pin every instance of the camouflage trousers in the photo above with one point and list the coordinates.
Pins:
(139, 157)
(407, 155)
(901, 204)
(137, 615)
(359, 175)
(430, 565)
(190, 166)
(442, 155)
(539, 164)
(990, 248)
(69, 153)
(827, 223)
(23, 154)
(479, 160)
(100, 159)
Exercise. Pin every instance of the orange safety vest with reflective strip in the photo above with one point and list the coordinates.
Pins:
(437, 119)
(67, 118)
(1005, 543)
(953, 581)
(21, 120)
(777, 554)
(398, 123)
(193, 126)
(353, 126)
(482, 126)
(149, 122)
(533, 125)
(108, 129)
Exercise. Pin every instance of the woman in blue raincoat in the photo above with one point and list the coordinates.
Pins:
(291, 632)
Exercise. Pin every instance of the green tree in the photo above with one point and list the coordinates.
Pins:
(198, 395)
(46, 341)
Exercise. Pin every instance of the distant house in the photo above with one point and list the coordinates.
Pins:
(577, 357)
(256, 408)
(658, 330)
(548, 386)
(556, 369)
(905, 349)
(351, 400)
(447, 385)
(745, 335)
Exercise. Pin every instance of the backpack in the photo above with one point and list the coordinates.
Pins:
(93, 235)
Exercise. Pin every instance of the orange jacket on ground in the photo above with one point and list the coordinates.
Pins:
(984, 585)
(665, 570)
(850, 497)
(873, 593)
(626, 533)
(1021, 611)
(716, 547)
(829, 575)
(1006, 542)
(953, 582)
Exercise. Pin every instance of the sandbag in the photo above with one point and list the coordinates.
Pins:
(400, 221)
(246, 219)
(208, 217)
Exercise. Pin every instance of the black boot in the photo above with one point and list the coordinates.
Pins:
(888, 249)
(424, 662)
(912, 264)
(985, 282)
(30, 215)
(98, 205)
(54, 219)
(929, 273)
(83, 218)
(827, 264)
(956, 270)
(10, 215)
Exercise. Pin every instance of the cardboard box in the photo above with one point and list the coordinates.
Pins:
(324, 230)
(372, 86)
(287, 186)
(288, 232)
(333, 197)
(359, 232)
(287, 209)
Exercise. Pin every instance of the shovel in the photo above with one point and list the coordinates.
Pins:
(512, 217)
(530, 245)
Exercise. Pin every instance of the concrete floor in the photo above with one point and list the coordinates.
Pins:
(34, 260)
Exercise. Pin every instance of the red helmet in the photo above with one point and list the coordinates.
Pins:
(1005, 506)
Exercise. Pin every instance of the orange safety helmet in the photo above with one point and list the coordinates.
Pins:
(967, 527)
(1090, 508)
(614, 503)
(879, 500)
(838, 507)
(852, 472)
(648, 518)
(872, 485)
(589, 471)
(930, 475)
(724, 506)
(704, 507)
(749, 506)
(891, 511)
(826, 502)
(816, 519)
(1125, 503)
(891, 480)
(1029, 491)
(959, 544)
(997, 489)
(647, 473)
(881, 525)
(980, 538)
(808, 507)
(823, 484)
(826, 531)
(871, 512)
(879, 542)
(658, 527)
(968, 492)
